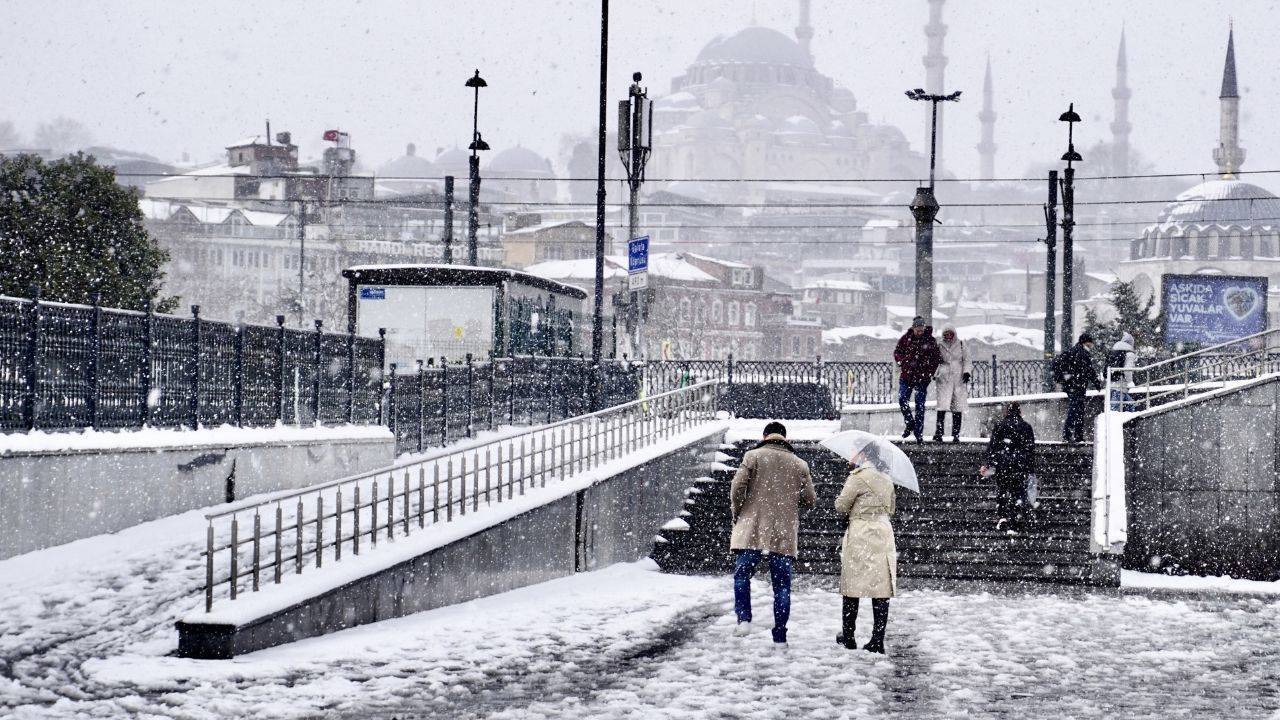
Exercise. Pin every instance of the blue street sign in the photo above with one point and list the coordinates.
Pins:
(638, 255)
(373, 293)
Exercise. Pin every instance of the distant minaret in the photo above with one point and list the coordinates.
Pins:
(935, 64)
(1229, 155)
(1120, 126)
(804, 31)
(987, 148)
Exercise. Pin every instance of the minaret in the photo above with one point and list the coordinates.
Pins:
(987, 148)
(1120, 126)
(804, 31)
(935, 64)
(1229, 155)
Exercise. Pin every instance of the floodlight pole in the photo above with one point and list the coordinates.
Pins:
(597, 320)
(924, 207)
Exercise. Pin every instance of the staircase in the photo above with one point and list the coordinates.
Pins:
(947, 531)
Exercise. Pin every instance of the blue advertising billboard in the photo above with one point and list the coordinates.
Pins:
(1212, 309)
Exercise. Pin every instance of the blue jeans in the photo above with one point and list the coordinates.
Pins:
(1073, 430)
(779, 572)
(905, 390)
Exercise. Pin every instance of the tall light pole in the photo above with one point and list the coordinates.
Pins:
(597, 322)
(924, 207)
(635, 142)
(477, 144)
(1050, 276)
(1068, 222)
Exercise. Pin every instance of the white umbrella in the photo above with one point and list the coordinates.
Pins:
(878, 452)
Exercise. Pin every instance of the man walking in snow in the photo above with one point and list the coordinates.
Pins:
(918, 358)
(766, 496)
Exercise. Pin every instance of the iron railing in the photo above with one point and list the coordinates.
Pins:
(255, 542)
(849, 382)
(65, 366)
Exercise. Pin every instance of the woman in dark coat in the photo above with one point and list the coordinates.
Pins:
(1011, 457)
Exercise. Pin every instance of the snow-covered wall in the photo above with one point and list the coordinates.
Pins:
(1045, 412)
(1203, 485)
(55, 488)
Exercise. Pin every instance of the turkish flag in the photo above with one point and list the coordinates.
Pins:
(331, 135)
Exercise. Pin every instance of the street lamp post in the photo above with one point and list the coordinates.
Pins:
(477, 144)
(597, 321)
(1068, 223)
(1050, 276)
(924, 207)
(635, 142)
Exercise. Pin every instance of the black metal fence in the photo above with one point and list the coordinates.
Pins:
(850, 383)
(433, 404)
(66, 366)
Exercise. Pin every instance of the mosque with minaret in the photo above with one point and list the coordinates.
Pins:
(1223, 226)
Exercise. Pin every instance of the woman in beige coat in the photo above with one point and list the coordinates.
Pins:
(868, 553)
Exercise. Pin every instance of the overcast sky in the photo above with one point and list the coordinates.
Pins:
(172, 77)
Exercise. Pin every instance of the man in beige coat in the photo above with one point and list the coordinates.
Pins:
(766, 495)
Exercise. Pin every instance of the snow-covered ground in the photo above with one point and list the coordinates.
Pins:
(86, 631)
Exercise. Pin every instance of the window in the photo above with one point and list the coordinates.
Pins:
(700, 312)
(717, 312)
(686, 310)
(733, 312)
(813, 345)
(795, 346)
(749, 315)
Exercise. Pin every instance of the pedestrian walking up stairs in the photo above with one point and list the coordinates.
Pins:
(947, 531)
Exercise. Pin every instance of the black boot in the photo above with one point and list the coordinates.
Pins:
(880, 622)
(955, 426)
(848, 622)
(942, 423)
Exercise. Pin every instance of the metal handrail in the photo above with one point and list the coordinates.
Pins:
(1108, 491)
(303, 531)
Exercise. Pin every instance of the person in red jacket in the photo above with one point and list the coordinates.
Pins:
(918, 357)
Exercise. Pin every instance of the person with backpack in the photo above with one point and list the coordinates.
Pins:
(1074, 371)
(1122, 356)
(1011, 459)
(918, 358)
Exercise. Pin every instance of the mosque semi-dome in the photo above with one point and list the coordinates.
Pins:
(754, 45)
(519, 159)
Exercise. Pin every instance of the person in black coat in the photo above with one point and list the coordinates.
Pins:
(1011, 458)
(1075, 372)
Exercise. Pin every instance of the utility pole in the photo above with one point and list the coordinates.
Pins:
(635, 142)
(597, 323)
(477, 144)
(1050, 276)
(1068, 222)
(302, 259)
(448, 219)
(924, 207)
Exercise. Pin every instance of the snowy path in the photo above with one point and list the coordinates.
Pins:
(87, 631)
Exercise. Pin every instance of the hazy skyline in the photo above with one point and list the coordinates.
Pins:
(145, 77)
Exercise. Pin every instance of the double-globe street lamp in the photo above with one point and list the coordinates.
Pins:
(1070, 117)
(924, 207)
(477, 144)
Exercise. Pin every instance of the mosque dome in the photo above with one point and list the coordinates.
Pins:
(800, 124)
(754, 45)
(1223, 202)
(409, 165)
(758, 122)
(453, 161)
(519, 160)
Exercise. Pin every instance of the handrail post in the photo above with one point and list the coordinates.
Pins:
(208, 568)
(238, 379)
(280, 360)
(382, 366)
(351, 377)
(422, 394)
(316, 372)
(95, 359)
(193, 399)
(31, 392)
(444, 401)
(391, 405)
(148, 333)
(995, 373)
(471, 409)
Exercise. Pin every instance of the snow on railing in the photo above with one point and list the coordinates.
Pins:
(302, 528)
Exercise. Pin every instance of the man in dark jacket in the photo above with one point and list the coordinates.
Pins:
(918, 357)
(1011, 456)
(1074, 371)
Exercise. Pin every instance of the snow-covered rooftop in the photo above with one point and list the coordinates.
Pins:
(838, 285)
